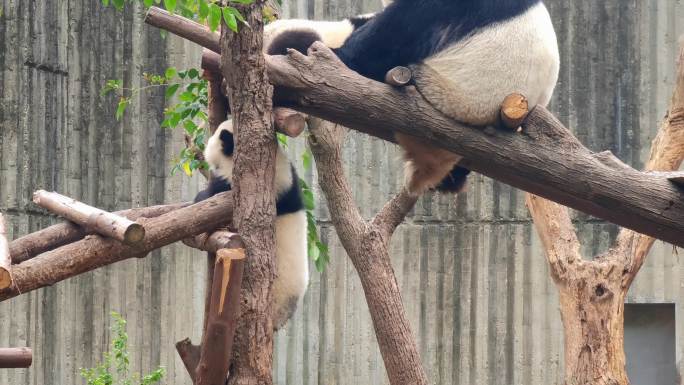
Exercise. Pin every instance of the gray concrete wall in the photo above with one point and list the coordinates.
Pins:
(474, 281)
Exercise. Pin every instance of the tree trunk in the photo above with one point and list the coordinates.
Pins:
(250, 94)
(592, 309)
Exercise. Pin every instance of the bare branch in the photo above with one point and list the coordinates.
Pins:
(326, 145)
(393, 213)
(190, 355)
(99, 221)
(92, 252)
(215, 241)
(557, 234)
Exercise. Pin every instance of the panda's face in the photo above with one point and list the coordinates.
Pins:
(219, 151)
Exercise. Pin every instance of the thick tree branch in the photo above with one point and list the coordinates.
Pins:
(366, 245)
(546, 159)
(393, 213)
(557, 234)
(326, 145)
(244, 68)
(24, 248)
(94, 251)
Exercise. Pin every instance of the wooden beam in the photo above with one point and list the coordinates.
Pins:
(547, 160)
(26, 247)
(92, 252)
(15, 358)
(99, 221)
(5, 257)
(217, 341)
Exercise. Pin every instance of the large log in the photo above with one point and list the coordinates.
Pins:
(24, 248)
(11, 358)
(546, 159)
(94, 251)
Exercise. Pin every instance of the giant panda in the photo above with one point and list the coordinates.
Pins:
(292, 264)
(466, 56)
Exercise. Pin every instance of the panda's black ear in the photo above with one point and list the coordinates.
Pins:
(227, 142)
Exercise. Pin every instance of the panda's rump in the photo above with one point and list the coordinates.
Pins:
(469, 79)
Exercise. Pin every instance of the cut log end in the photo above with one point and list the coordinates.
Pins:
(398, 76)
(5, 278)
(5, 257)
(134, 234)
(289, 122)
(514, 111)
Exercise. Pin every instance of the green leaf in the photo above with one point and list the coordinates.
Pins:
(238, 15)
(308, 198)
(105, 3)
(118, 4)
(148, 3)
(203, 9)
(193, 73)
(186, 168)
(170, 72)
(214, 18)
(229, 18)
(242, 1)
(170, 5)
(306, 159)
(121, 108)
(171, 90)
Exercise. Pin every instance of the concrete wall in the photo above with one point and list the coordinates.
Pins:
(474, 280)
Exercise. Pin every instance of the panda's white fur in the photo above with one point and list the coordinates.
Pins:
(332, 33)
(292, 264)
(518, 55)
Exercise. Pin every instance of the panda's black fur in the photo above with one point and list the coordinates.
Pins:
(466, 56)
(290, 222)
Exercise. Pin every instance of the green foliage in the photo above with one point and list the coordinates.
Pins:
(203, 11)
(115, 367)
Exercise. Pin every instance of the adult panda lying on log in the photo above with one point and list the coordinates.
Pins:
(292, 265)
(466, 56)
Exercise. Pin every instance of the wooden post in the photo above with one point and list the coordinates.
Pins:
(514, 110)
(102, 222)
(217, 341)
(15, 358)
(5, 258)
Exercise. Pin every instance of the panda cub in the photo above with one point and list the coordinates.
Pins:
(466, 56)
(292, 265)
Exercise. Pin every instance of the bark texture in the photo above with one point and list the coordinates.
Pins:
(94, 251)
(367, 246)
(592, 293)
(217, 341)
(250, 95)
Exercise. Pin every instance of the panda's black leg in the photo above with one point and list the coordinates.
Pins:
(455, 180)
